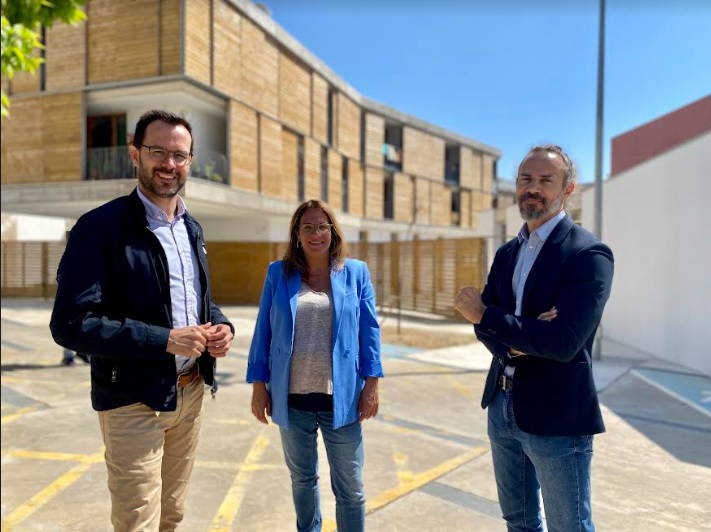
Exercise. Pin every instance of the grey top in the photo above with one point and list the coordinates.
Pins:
(311, 359)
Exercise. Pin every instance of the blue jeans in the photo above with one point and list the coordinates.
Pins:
(344, 448)
(526, 464)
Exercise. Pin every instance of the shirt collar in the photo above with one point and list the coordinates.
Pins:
(544, 231)
(156, 213)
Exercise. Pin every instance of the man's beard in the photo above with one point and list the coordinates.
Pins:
(532, 212)
(151, 182)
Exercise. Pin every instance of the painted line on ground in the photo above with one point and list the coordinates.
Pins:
(227, 512)
(389, 496)
(5, 420)
(431, 431)
(13, 345)
(691, 390)
(48, 493)
(418, 481)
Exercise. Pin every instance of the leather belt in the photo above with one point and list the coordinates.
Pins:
(189, 376)
(505, 383)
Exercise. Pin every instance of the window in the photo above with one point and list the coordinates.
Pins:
(388, 196)
(300, 168)
(344, 183)
(324, 173)
(330, 110)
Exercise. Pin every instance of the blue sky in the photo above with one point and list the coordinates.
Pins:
(512, 73)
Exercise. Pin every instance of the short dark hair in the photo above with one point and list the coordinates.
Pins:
(164, 116)
(294, 259)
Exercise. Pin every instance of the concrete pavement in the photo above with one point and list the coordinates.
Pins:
(428, 465)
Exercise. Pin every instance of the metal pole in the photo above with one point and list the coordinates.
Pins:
(597, 351)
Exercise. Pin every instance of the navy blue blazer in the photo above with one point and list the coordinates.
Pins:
(356, 338)
(553, 389)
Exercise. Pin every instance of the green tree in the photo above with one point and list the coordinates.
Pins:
(22, 23)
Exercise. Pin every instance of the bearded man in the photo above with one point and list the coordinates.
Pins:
(538, 314)
(134, 294)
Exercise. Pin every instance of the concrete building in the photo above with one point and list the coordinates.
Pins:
(273, 125)
(653, 219)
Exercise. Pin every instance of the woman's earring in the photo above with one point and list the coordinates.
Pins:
(298, 245)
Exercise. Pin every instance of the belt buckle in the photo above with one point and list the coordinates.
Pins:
(506, 383)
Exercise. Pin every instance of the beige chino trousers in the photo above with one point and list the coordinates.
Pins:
(149, 458)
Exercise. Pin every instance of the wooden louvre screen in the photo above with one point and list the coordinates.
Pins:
(29, 269)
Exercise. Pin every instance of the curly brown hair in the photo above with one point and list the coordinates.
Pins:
(294, 259)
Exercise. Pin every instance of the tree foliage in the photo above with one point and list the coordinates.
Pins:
(22, 21)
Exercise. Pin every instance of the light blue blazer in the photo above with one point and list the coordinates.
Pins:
(356, 338)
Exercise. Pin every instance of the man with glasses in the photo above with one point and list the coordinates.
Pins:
(134, 293)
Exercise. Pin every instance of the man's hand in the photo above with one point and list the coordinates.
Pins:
(368, 402)
(469, 304)
(549, 315)
(261, 402)
(219, 339)
(188, 341)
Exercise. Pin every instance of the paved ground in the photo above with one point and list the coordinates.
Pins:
(428, 466)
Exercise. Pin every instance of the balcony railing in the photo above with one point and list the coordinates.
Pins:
(115, 163)
(108, 163)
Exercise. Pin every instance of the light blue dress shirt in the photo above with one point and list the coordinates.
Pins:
(531, 245)
(183, 268)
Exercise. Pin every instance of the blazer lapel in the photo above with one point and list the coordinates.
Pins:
(546, 254)
(293, 285)
(510, 300)
(338, 292)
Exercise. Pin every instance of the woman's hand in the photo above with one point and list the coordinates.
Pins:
(261, 402)
(368, 402)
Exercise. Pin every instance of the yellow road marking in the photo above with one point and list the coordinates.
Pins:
(404, 475)
(233, 500)
(420, 480)
(417, 482)
(48, 493)
(17, 415)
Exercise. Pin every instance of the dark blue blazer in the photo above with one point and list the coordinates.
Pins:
(553, 389)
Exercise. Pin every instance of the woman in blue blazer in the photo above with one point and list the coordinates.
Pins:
(315, 362)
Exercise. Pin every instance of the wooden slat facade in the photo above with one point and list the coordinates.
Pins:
(335, 175)
(319, 110)
(289, 165)
(374, 139)
(348, 125)
(260, 69)
(29, 269)
(312, 169)
(227, 49)
(270, 169)
(244, 147)
(294, 93)
(170, 44)
(404, 198)
(423, 154)
(119, 48)
(373, 193)
(65, 56)
(356, 188)
(51, 152)
(198, 45)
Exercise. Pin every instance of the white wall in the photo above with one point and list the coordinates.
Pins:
(25, 227)
(653, 219)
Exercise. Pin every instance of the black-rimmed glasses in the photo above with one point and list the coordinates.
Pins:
(158, 153)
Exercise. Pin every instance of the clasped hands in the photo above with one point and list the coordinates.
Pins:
(191, 341)
(470, 305)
